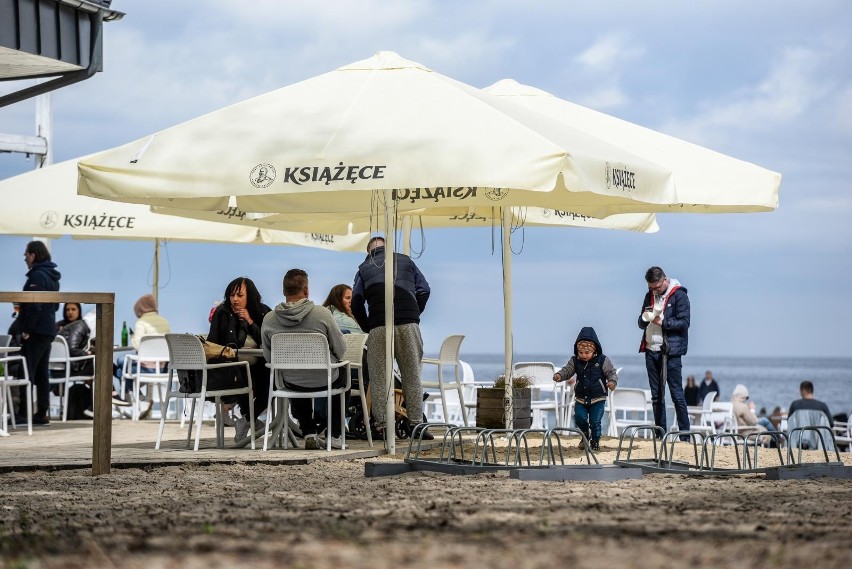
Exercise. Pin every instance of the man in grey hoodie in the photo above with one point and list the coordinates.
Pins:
(299, 314)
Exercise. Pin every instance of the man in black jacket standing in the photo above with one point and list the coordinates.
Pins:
(665, 322)
(38, 326)
(411, 292)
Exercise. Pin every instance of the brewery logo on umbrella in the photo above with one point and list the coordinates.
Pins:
(262, 175)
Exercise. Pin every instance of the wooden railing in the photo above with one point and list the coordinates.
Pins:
(105, 311)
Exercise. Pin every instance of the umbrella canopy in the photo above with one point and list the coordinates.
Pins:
(45, 202)
(379, 138)
(705, 181)
(384, 123)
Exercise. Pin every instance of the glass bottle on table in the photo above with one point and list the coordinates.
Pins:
(124, 334)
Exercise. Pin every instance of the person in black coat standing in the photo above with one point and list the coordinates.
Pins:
(664, 320)
(38, 326)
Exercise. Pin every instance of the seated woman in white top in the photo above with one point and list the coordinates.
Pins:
(339, 302)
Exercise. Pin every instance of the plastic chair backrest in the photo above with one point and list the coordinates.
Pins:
(153, 348)
(540, 372)
(450, 348)
(5, 340)
(59, 350)
(354, 348)
(629, 399)
(300, 351)
(185, 352)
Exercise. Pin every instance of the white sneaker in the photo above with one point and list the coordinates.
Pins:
(337, 442)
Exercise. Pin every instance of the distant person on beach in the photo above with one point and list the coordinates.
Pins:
(708, 384)
(807, 402)
(299, 315)
(236, 322)
(690, 392)
(411, 292)
(744, 410)
(38, 327)
(592, 374)
(665, 321)
(339, 302)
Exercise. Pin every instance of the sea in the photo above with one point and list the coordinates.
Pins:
(772, 382)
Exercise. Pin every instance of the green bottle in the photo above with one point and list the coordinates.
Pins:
(124, 334)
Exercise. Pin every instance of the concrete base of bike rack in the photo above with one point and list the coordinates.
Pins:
(809, 471)
(596, 472)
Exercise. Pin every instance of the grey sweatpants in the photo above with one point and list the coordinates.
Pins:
(408, 346)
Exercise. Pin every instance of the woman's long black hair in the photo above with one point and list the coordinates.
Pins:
(253, 299)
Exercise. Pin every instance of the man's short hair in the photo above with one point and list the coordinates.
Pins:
(806, 387)
(295, 282)
(375, 242)
(654, 275)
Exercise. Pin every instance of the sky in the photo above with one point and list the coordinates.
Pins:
(768, 82)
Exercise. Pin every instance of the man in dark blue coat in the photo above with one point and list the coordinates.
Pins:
(664, 320)
(38, 326)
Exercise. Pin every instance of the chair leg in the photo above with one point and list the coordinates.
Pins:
(342, 419)
(461, 397)
(162, 425)
(328, 420)
(269, 415)
(443, 395)
(366, 413)
(191, 419)
(251, 419)
(286, 414)
(201, 400)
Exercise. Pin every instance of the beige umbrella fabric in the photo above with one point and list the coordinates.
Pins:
(705, 181)
(379, 138)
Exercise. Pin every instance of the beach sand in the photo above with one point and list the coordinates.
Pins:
(328, 514)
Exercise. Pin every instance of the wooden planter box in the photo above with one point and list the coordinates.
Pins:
(489, 408)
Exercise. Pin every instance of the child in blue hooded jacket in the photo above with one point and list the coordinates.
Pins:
(591, 374)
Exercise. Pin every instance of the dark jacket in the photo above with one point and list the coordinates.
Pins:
(675, 322)
(76, 334)
(227, 328)
(411, 291)
(40, 318)
(704, 388)
(593, 375)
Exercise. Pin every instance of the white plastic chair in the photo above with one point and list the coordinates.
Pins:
(186, 355)
(702, 417)
(303, 351)
(7, 382)
(447, 356)
(61, 361)
(154, 352)
(547, 394)
(628, 406)
(355, 356)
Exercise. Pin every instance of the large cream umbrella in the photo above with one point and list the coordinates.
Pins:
(705, 181)
(45, 202)
(415, 138)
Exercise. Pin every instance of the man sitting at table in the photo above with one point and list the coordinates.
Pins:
(299, 314)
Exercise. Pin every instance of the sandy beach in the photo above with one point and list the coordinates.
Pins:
(328, 514)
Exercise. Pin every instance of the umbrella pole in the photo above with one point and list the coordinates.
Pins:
(390, 247)
(508, 403)
(156, 279)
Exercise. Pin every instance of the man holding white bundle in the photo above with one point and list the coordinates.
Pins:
(665, 321)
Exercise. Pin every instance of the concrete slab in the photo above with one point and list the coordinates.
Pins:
(596, 472)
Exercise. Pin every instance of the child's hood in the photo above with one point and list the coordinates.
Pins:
(588, 334)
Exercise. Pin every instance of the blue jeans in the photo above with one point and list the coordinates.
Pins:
(589, 416)
(653, 364)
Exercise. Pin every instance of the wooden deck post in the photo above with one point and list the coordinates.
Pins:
(105, 309)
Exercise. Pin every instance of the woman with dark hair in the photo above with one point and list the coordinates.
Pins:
(236, 322)
(339, 302)
(76, 333)
(38, 326)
